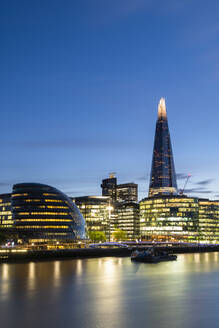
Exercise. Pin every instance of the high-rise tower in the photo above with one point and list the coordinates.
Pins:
(163, 176)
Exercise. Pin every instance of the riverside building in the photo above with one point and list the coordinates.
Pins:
(125, 192)
(124, 201)
(167, 215)
(6, 220)
(40, 213)
(43, 213)
(117, 208)
(208, 221)
(163, 176)
(97, 212)
(169, 218)
(127, 219)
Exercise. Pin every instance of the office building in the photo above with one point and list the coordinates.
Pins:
(163, 176)
(127, 219)
(169, 218)
(164, 215)
(97, 212)
(6, 221)
(124, 199)
(208, 221)
(109, 186)
(127, 192)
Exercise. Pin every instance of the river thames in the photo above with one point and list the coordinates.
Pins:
(111, 292)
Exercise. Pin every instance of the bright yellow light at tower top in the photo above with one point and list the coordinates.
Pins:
(162, 109)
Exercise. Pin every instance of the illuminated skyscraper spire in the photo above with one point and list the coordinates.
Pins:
(162, 109)
(163, 176)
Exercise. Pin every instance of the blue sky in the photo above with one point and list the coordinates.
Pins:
(80, 82)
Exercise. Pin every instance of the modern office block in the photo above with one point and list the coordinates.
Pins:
(208, 221)
(169, 218)
(127, 192)
(109, 187)
(127, 219)
(6, 220)
(97, 212)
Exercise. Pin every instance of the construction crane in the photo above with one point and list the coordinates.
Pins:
(185, 184)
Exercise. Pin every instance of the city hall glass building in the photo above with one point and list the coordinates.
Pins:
(41, 212)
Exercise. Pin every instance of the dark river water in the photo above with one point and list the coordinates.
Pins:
(111, 293)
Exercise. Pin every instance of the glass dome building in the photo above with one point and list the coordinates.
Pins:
(44, 213)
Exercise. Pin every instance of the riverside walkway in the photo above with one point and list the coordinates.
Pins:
(23, 255)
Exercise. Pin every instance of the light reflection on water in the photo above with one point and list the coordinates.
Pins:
(111, 293)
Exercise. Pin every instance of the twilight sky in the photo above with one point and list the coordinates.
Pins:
(80, 83)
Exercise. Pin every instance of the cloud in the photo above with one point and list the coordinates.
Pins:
(76, 192)
(204, 182)
(143, 178)
(3, 184)
(197, 191)
(181, 176)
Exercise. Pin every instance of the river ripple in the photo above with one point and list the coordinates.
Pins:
(111, 293)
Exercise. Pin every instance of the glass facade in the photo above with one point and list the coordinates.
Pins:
(127, 219)
(163, 177)
(6, 221)
(127, 192)
(209, 221)
(43, 212)
(109, 187)
(169, 218)
(101, 214)
(97, 213)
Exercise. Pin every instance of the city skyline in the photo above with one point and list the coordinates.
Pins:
(68, 119)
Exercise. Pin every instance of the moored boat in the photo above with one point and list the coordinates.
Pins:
(152, 256)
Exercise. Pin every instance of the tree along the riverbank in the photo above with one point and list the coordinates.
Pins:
(119, 234)
(97, 236)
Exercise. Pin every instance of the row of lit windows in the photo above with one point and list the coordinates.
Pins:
(54, 200)
(142, 206)
(45, 220)
(44, 200)
(168, 200)
(42, 227)
(5, 204)
(48, 194)
(7, 221)
(5, 213)
(7, 226)
(97, 207)
(44, 206)
(42, 213)
(19, 195)
(26, 194)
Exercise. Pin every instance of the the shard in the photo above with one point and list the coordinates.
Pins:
(163, 176)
